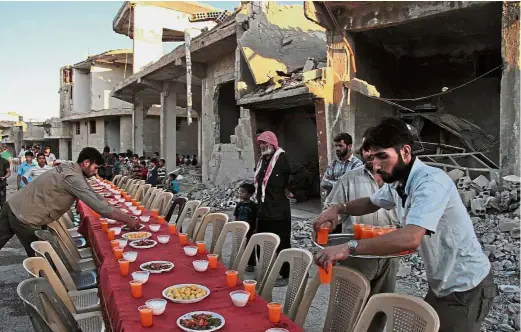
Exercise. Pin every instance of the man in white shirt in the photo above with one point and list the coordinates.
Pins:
(434, 221)
(50, 158)
(33, 172)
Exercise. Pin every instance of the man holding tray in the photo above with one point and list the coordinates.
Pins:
(354, 184)
(434, 221)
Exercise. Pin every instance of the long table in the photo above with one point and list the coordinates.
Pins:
(121, 307)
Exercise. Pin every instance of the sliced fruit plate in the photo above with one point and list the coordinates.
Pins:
(157, 266)
(126, 229)
(143, 244)
(201, 321)
(186, 293)
(136, 235)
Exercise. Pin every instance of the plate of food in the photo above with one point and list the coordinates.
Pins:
(137, 235)
(125, 228)
(200, 321)
(143, 244)
(186, 293)
(157, 266)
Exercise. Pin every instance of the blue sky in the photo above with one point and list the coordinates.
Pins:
(37, 38)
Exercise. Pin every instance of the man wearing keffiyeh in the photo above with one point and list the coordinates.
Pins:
(271, 180)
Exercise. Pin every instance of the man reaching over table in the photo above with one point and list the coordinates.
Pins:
(434, 221)
(50, 195)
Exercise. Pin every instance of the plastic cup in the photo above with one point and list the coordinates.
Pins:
(111, 234)
(172, 229)
(249, 286)
(201, 247)
(136, 288)
(124, 266)
(274, 312)
(322, 235)
(114, 244)
(161, 220)
(183, 239)
(325, 277)
(145, 316)
(367, 232)
(357, 230)
(212, 260)
(231, 278)
(378, 232)
(141, 208)
(134, 201)
(118, 253)
(104, 226)
(155, 213)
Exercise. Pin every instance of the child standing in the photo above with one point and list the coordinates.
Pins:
(246, 210)
(152, 172)
(173, 185)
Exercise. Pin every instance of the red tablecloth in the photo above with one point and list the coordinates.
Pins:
(122, 308)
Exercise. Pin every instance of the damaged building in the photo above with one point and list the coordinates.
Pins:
(450, 69)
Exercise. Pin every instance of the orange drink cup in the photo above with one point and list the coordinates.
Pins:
(322, 235)
(155, 213)
(161, 220)
(274, 312)
(201, 247)
(212, 260)
(357, 230)
(325, 277)
(111, 234)
(172, 229)
(249, 286)
(367, 232)
(141, 208)
(378, 232)
(136, 288)
(231, 278)
(104, 226)
(134, 201)
(118, 253)
(145, 316)
(183, 239)
(114, 244)
(124, 266)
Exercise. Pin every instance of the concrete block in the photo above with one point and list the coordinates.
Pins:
(312, 75)
(477, 206)
(233, 139)
(467, 196)
(507, 224)
(515, 233)
(456, 174)
(309, 65)
(464, 182)
(480, 183)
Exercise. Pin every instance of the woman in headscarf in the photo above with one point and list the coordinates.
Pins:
(271, 180)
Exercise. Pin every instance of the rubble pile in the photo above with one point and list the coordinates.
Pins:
(218, 198)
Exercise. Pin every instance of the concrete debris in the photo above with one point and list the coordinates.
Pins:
(309, 65)
(467, 196)
(464, 182)
(218, 198)
(456, 174)
(362, 87)
(477, 205)
(507, 224)
(480, 183)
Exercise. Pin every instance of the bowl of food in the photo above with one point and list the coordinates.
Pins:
(121, 200)
(132, 208)
(136, 212)
(143, 244)
(123, 243)
(157, 266)
(200, 265)
(201, 321)
(111, 221)
(163, 239)
(117, 197)
(186, 293)
(154, 228)
(190, 250)
(141, 276)
(144, 218)
(240, 298)
(130, 256)
(137, 235)
(113, 201)
(129, 204)
(158, 306)
(117, 230)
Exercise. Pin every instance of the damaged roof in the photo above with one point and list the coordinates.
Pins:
(117, 56)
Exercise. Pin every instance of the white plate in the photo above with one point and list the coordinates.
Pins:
(156, 271)
(134, 245)
(186, 301)
(126, 229)
(189, 315)
(129, 234)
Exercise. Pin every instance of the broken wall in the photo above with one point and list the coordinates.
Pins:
(103, 80)
(187, 136)
(80, 91)
(219, 71)
(279, 38)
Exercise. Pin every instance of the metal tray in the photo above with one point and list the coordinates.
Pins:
(336, 239)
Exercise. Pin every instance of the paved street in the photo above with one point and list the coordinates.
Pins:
(12, 313)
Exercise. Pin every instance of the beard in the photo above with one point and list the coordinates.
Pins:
(267, 151)
(341, 154)
(399, 171)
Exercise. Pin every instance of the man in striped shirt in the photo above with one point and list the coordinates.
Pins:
(33, 172)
